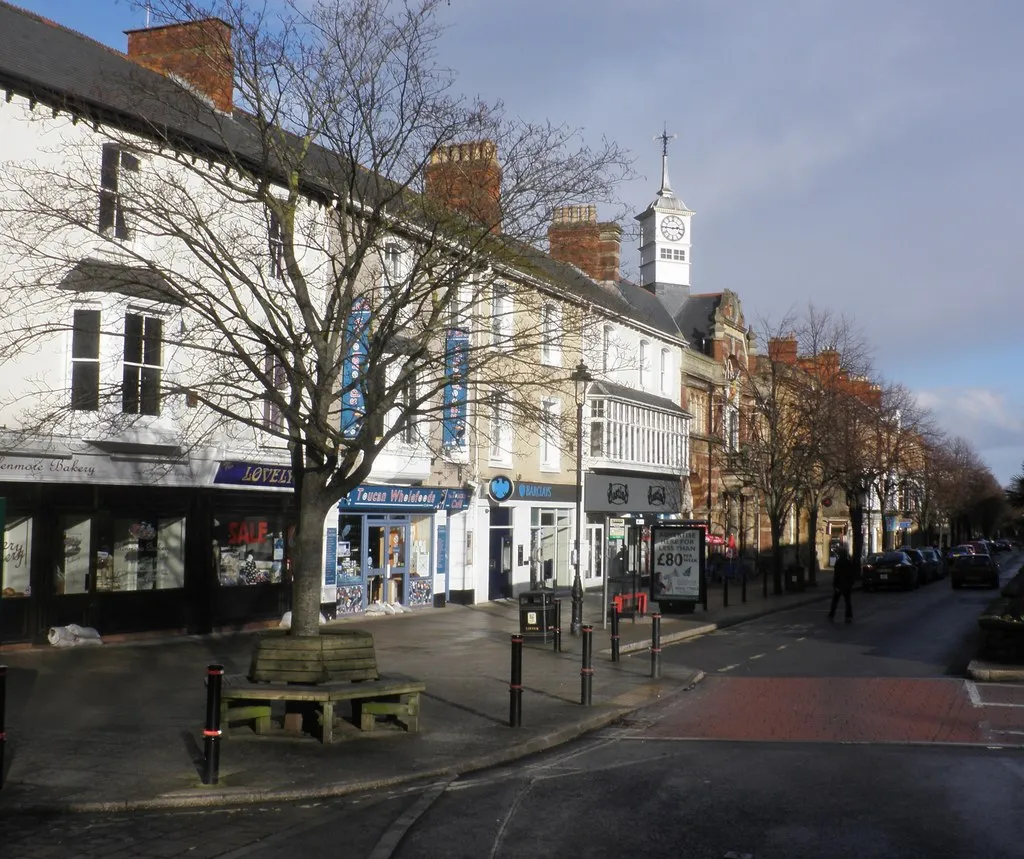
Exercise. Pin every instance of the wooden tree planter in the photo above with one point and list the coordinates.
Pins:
(336, 654)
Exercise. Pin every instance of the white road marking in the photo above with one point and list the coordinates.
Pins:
(730, 667)
(802, 638)
(782, 647)
(758, 656)
(972, 693)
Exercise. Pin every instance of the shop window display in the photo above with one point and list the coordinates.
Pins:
(17, 557)
(144, 554)
(249, 550)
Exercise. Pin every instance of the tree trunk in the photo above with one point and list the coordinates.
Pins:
(307, 555)
(776, 526)
(812, 543)
(857, 527)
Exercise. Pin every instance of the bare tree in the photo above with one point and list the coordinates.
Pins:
(336, 265)
(832, 351)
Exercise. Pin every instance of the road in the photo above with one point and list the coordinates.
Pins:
(806, 739)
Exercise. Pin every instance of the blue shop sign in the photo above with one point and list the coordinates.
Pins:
(402, 497)
(254, 474)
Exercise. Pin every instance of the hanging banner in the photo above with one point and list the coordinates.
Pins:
(456, 360)
(353, 398)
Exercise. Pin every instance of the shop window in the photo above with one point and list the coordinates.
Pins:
(350, 547)
(73, 573)
(17, 557)
(144, 554)
(249, 550)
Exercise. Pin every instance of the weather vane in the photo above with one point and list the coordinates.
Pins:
(664, 137)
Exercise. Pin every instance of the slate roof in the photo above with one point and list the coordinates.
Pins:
(94, 275)
(696, 317)
(61, 68)
(610, 389)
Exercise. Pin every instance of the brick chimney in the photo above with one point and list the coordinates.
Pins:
(196, 52)
(783, 349)
(576, 237)
(466, 177)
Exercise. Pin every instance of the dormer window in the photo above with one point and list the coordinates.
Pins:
(115, 162)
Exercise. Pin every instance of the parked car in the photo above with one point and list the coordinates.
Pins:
(974, 570)
(933, 560)
(981, 547)
(1002, 545)
(888, 569)
(957, 551)
(917, 558)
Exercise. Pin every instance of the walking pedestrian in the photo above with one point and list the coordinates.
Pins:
(842, 584)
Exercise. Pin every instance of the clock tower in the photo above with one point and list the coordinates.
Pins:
(665, 239)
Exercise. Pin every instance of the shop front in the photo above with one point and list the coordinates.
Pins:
(623, 506)
(389, 548)
(101, 540)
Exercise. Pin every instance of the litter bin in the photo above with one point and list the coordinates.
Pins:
(537, 614)
(795, 581)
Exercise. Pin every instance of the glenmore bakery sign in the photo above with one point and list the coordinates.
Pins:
(607, 493)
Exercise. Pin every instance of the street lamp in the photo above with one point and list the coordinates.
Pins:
(581, 378)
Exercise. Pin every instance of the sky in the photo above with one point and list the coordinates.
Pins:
(864, 157)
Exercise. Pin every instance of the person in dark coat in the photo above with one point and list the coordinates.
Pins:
(842, 584)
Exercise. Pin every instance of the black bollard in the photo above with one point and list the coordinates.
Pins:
(212, 732)
(558, 626)
(515, 686)
(725, 588)
(655, 646)
(743, 584)
(587, 671)
(3, 706)
(615, 633)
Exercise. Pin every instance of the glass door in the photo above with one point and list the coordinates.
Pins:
(387, 560)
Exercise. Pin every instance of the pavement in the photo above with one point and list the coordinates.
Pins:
(119, 726)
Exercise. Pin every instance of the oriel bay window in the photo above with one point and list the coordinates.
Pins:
(143, 365)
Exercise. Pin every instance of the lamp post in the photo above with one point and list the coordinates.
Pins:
(581, 378)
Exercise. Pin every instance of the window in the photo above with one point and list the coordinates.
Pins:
(112, 200)
(85, 360)
(731, 433)
(133, 553)
(17, 562)
(250, 549)
(673, 254)
(551, 324)
(645, 364)
(501, 315)
(549, 434)
(407, 414)
(275, 239)
(597, 445)
(665, 368)
(501, 447)
(606, 348)
(273, 367)
(140, 391)
(393, 264)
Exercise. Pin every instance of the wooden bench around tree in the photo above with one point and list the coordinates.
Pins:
(311, 675)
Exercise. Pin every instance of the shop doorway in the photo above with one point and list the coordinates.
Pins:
(499, 566)
(595, 554)
(387, 560)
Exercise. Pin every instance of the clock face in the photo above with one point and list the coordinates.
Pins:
(673, 228)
